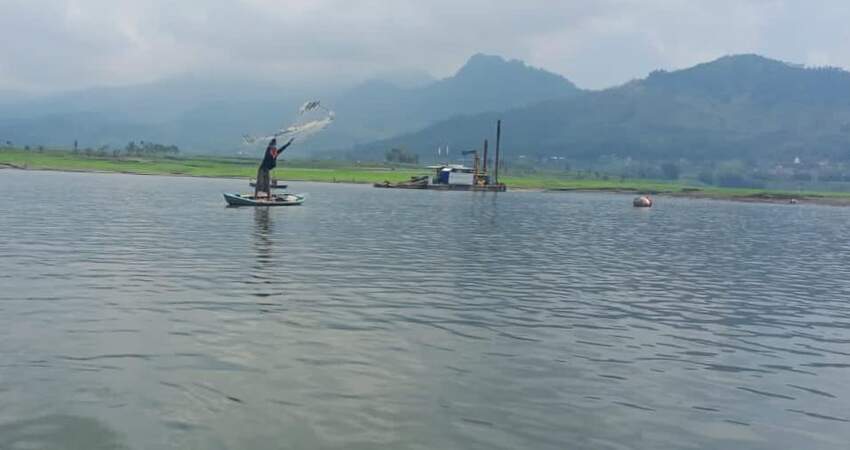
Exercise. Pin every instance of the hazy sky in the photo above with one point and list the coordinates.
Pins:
(62, 44)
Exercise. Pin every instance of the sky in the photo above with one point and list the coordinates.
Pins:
(58, 45)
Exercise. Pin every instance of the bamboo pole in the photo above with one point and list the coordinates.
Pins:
(498, 145)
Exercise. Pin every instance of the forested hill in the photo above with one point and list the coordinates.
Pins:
(737, 107)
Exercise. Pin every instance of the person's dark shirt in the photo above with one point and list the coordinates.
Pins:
(270, 158)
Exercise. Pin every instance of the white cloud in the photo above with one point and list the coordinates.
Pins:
(61, 44)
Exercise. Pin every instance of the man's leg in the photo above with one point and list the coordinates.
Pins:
(264, 186)
(269, 185)
(258, 181)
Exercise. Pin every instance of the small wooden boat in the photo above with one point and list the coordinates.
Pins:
(642, 202)
(388, 185)
(414, 183)
(275, 200)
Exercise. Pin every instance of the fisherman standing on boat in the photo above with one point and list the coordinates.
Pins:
(269, 162)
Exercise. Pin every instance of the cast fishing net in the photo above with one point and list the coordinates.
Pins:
(312, 117)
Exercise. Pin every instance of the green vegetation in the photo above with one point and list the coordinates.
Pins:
(401, 155)
(344, 172)
(571, 183)
(198, 166)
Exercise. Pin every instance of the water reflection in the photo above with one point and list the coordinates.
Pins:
(264, 267)
(263, 241)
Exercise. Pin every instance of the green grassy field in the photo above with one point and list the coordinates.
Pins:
(335, 171)
(567, 183)
(201, 167)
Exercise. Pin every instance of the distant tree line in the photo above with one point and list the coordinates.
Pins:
(142, 148)
(149, 149)
(731, 173)
(401, 155)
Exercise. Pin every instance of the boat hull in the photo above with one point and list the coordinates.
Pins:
(250, 200)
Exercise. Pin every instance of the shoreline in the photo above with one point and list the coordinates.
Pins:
(7, 166)
(697, 194)
(687, 193)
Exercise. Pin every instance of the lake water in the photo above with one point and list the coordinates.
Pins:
(139, 312)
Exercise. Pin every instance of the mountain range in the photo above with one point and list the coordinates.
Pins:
(210, 117)
(737, 107)
(745, 107)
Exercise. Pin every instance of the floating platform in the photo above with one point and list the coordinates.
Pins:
(444, 187)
